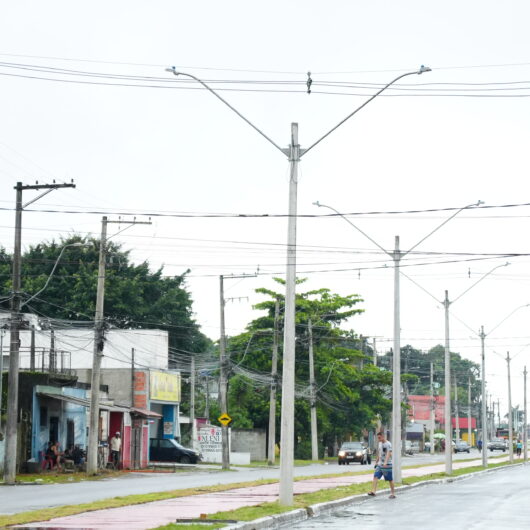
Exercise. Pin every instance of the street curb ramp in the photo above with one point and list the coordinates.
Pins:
(324, 508)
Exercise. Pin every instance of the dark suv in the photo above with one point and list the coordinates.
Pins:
(169, 450)
(354, 452)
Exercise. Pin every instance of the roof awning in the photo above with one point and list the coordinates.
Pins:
(145, 413)
(103, 405)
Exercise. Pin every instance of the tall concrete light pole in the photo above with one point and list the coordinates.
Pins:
(294, 153)
(397, 255)
(447, 362)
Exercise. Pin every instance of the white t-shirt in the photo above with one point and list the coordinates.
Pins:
(115, 443)
(383, 449)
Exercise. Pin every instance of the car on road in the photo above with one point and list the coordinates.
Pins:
(497, 444)
(411, 447)
(461, 447)
(354, 452)
(169, 450)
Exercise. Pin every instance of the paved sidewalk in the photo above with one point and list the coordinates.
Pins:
(159, 513)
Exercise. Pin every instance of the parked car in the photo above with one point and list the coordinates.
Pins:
(497, 444)
(169, 450)
(354, 452)
(461, 447)
(411, 447)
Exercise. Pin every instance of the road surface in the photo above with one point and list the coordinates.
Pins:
(496, 500)
(15, 499)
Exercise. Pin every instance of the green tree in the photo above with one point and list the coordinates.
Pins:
(135, 296)
(350, 393)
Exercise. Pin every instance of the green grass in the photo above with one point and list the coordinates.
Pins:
(251, 513)
(248, 513)
(60, 478)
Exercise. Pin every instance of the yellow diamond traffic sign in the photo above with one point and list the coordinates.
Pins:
(225, 419)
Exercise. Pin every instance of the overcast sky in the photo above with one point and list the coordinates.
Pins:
(170, 147)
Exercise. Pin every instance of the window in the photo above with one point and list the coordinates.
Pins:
(166, 444)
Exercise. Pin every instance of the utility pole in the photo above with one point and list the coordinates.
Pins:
(447, 382)
(1, 371)
(510, 415)
(482, 336)
(433, 418)
(192, 403)
(223, 375)
(274, 384)
(207, 400)
(498, 413)
(93, 430)
(457, 414)
(525, 424)
(469, 441)
(53, 356)
(312, 398)
(396, 369)
(99, 342)
(289, 331)
(132, 377)
(32, 350)
(10, 467)
(374, 351)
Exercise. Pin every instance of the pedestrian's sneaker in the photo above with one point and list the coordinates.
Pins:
(392, 497)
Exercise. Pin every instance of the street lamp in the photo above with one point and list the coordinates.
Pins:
(294, 154)
(447, 373)
(397, 255)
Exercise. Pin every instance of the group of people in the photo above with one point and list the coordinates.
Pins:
(54, 457)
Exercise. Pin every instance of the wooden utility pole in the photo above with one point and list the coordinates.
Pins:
(99, 342)
(192, 403)
(271, 457)
(10, 466)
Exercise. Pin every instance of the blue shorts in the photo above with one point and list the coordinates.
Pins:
(385, 472)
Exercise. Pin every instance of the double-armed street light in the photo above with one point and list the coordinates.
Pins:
(447, 373)
(397, 255)
(294, 153)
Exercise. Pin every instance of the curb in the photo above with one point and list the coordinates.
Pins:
(316, 510)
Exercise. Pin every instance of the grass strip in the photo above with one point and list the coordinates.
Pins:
(129, 500)
(251, 513)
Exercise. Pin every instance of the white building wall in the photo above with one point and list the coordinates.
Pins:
(150, 347)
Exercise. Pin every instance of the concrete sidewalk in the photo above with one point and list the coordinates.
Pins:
(159, 513)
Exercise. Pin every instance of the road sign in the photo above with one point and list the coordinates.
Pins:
(224, 419)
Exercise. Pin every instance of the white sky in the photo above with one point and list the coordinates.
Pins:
(154, 150)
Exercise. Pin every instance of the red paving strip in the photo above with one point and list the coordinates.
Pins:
(159, 513)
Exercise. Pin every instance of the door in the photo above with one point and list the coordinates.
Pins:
(70, 434)
(136, 446)
(54, 429)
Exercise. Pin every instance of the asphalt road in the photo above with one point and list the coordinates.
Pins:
(495, 501)
(15, 499)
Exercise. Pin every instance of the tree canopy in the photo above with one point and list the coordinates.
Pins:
(135, 296)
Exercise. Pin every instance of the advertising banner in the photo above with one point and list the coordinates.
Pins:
(164, 386)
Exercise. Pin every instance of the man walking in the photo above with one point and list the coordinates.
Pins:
(383, 465)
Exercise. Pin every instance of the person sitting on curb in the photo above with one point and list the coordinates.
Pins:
(383, 465)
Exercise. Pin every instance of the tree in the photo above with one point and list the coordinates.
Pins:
(135, 296)
(350, 393)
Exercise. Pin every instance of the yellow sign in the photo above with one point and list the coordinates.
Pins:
(224, 419)
(164, 386)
